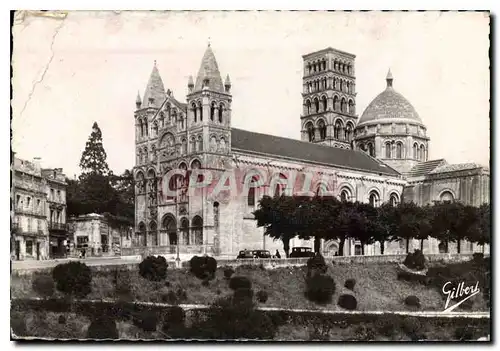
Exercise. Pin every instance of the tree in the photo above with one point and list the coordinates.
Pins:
(407, 223)
(124, 187)
(342, 223)
(452, 222)
(362, 223)
(93, 160)
(384, 225)
(479, 231)
(275, 215)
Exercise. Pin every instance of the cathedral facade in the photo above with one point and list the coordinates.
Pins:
(379, 157)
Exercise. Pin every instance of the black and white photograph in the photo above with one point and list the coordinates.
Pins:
(251, 175)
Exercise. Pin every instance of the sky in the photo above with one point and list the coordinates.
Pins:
(89, 66)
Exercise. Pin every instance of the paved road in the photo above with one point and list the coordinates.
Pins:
(94, 261)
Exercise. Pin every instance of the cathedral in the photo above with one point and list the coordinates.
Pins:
(379, 157)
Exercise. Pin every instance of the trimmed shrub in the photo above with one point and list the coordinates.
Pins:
(102, 327)
(173, 318)
(43, 285)
(477, 257)
(415, 260)
(61, 319)
(413, 301)
(316, 265)
(146, 320)
(262, 296)
(205, 282)
(387, 326)
(347, 302)
(203, 267)
(228, 272)
(239, 282)
(349, 284)
(181, 294)
(153, 268)
(243, 294)
(73, 278)
(320, 288)
(122, 284)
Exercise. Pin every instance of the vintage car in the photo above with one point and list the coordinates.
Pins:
(301, 252)
(253, 254)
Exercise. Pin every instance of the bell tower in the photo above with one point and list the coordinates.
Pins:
(329, 98)
(209, 112)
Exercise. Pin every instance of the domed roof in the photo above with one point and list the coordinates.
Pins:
(389, 104)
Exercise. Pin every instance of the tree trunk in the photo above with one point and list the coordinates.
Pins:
(458, 246)
(446, 246)
(362, 249)
(422, 245)
(407, 245)
(382, 244)
(483, 248)
(317, 244)
(286, 247)
(341, 247)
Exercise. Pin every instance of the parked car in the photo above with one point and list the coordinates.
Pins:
(301, 252)
(261, 254)
(253, 254)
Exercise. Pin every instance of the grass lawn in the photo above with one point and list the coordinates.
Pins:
(377, 287)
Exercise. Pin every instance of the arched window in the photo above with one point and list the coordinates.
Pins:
(351, 107)
(212, 111)
(251, 191)
(280, 185)
(192, 144)
(162, 119)
(337, 130)
(222, 145)
(415, 151)
(146, 156)
(374, 199)
(153, 230)
(310, 131)
(394, 199)
(343, 105)
(322, 130)
(221, 110)
(323, 102)
(388, 150)
(308, 107)
(422, 152)
(185, 231)
(348, 132)
(181, 120)
(216, 214)
(200, 143)
(198, 230)
(195, 111)
(399, 150)
(200, 108)
(446, 196)
(322, 189)
(195, 164)
(345, 195)
(316, 105)
(371, 150)
(335, 103)
(362, 147)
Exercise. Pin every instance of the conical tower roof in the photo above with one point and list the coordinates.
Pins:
(154, 89)
(209, 70)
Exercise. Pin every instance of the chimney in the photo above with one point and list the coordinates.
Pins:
(37, 161)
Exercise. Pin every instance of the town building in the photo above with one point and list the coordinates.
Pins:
(380, 157)
(97, 235)
(38, 215)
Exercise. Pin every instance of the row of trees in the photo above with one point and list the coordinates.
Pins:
(328, 218)
(97, 189)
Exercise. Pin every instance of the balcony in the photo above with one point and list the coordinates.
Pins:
(58, 226)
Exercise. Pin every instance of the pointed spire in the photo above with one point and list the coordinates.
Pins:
(227, 84)
(209, 73)
(138, 100)
(389, 79)
(155, 91)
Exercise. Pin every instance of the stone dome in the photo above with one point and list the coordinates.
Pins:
(389, 105)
